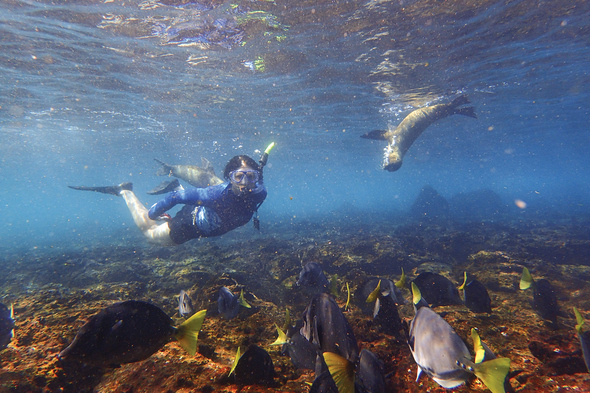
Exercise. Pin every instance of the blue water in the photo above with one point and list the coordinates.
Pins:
(93, 91)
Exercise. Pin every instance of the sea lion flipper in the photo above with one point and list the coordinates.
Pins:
(466, 111)
(165, 170)
(461, 100)
(378, 135)
(206, 165)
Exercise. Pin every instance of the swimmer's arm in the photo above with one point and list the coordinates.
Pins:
(193, 196)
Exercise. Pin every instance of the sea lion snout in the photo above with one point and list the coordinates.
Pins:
(393, 161)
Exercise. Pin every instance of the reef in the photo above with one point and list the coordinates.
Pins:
(55, 292)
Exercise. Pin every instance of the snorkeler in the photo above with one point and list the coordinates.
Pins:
(210, 211)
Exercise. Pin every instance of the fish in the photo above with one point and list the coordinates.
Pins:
(400, 139)
(165, 187)
(6, 325)
(312, 275)
(362, 376)
(255, 366)
(303, 354)
(584, 337)
(437, 290)
(324, 383)
(228, 304)
(199, 177)
(185, 305)
(544, 298)
(369, 375)
(325, 326)
(386, 288)
(385, 301)
(476, 296)
(130, 331)
(440, 353)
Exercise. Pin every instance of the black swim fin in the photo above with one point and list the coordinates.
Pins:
(112, 190)
(378, 135)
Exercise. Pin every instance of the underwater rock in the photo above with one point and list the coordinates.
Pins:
(477, 205)
(430, 205)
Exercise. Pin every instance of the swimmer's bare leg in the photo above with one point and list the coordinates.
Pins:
(155, 232)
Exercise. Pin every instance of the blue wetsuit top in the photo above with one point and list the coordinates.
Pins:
(210, 211)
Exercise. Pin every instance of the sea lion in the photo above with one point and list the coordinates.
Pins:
(401, 138)
(192, 174)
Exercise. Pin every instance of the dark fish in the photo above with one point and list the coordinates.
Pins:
(387, 288)
(387, 315)
(443, 356)
(165, 187)
(384, 310)
(437, 290)
(254, 367)
(476, 296)
(369, 375)
(545, 301)
(324, 383)
(6, 325)
(363, 376)
(128, 332)
(185, 304)
(584, 338)
(312, 275)
(303, 353)
(229, 304)
(325, 326)
(544, 298)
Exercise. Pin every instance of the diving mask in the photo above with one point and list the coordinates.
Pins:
(238, 176)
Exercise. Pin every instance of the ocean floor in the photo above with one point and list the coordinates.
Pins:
(55, 291)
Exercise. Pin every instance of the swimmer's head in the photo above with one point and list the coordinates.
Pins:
(244, 174)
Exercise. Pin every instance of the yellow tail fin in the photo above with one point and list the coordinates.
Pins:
(579, 320)
(282, 339)
(526, 280)
(403, 280)
(416, 294)
(480, 352)
(462, 287)
(342, 372)
(188, 333)
(243, 301)
(347, 297)
(236, 360)
(493, 373)
(375, 294)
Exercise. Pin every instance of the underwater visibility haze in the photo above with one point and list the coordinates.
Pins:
(487, 103)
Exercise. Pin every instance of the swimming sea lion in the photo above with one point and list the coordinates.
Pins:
(192, 174)
(401, 138)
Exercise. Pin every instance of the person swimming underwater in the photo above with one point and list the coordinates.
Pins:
(207, 212)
